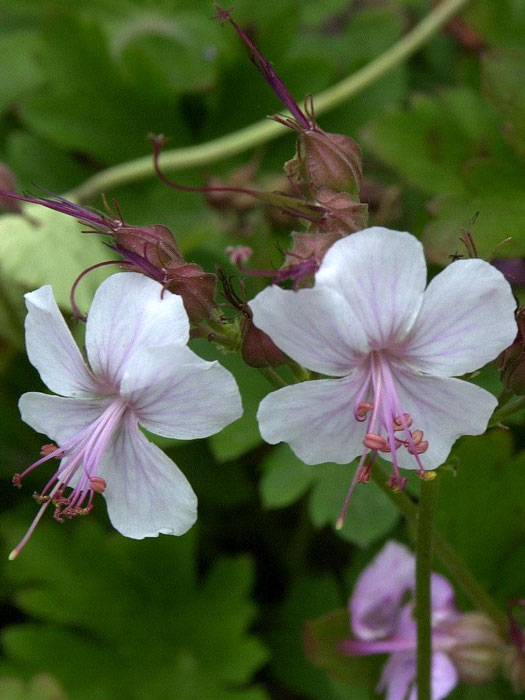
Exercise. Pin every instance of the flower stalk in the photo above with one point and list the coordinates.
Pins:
(265, 131)
(424, 555)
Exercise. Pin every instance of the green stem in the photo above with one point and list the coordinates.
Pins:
(453, 563)
(508, 409)
(264, 131)
(424, 555)
(272, 376)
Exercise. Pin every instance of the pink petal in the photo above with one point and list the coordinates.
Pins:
(175, 393)
(315, 327)
(129, 312)
(466, 320)
(316, 418)
(51, 348)
(444, 409)
(444, 677)
(382, 276)
(58, 417)
(146, 492)
(398, 674)
(375, 605)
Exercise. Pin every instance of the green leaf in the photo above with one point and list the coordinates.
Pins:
(46, 247)
(308, 597)
(443, 133)
(145, 627)
(492, 207)
(502, 76)
(481, 508)
(18, 65)
(88, 105)
(285, 478)
(41, 687)
(322, 637)
(370, 516)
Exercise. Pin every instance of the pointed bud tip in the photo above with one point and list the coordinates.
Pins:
(13, 555)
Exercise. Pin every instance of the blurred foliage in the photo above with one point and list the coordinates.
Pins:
(219, 613)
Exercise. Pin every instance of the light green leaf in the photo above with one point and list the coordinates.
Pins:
(285, 478)
(46, 247)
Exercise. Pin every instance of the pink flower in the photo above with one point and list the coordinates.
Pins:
(391, 349)
(140, 372)
(465, 646)
(383, 624)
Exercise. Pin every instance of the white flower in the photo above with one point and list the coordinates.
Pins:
(392, 346)
(140, 372)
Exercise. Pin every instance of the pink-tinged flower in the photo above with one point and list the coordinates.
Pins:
(383, 623)
(465, 646)
(391, 348)
(140, 372)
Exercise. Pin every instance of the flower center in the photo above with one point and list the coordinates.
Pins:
(80, 459)
(388, 428)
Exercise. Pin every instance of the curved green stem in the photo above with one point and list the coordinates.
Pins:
(424, 554)
(264, 131)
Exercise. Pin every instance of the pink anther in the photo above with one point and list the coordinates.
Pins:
(417, 436)
(375, 442)
(402, 422)
(363, 409)
(388, 448)
(418, 449)
(98, 484)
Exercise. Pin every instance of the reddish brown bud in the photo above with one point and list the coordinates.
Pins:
(512, 360)
(343, 213)
(8, 184)
(196, 287)
(258, 349)
(325, 160)
(155, 243)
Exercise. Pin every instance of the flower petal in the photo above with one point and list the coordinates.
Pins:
(466, 320)
(443, 606)
(444, 409)
(444, 677)
(315, 327)
(382, 276)
(51, 348)
(146, 492)
(316, 418)
(131, 311)
(375, 604)
(58, 417)
(177, 394)
(398, 674)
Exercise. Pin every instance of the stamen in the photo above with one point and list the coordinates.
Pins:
(402, 422)
(98, 484)
(375, 442)
(362, 410)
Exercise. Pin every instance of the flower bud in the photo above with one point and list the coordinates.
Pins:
(155, 243)
(512, 360)
(476, 648)
(325, 160)
(343, 213)
(196, 287)
(258, 350)
(8, 185)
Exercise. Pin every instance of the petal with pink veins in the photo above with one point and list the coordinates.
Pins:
(444, 409)
(130, 312)
(52, 350)
(382, 275)
(315, 327)
(58, 417)
(316, 418)
(465, 321)
(175, 393)
(146, 492)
